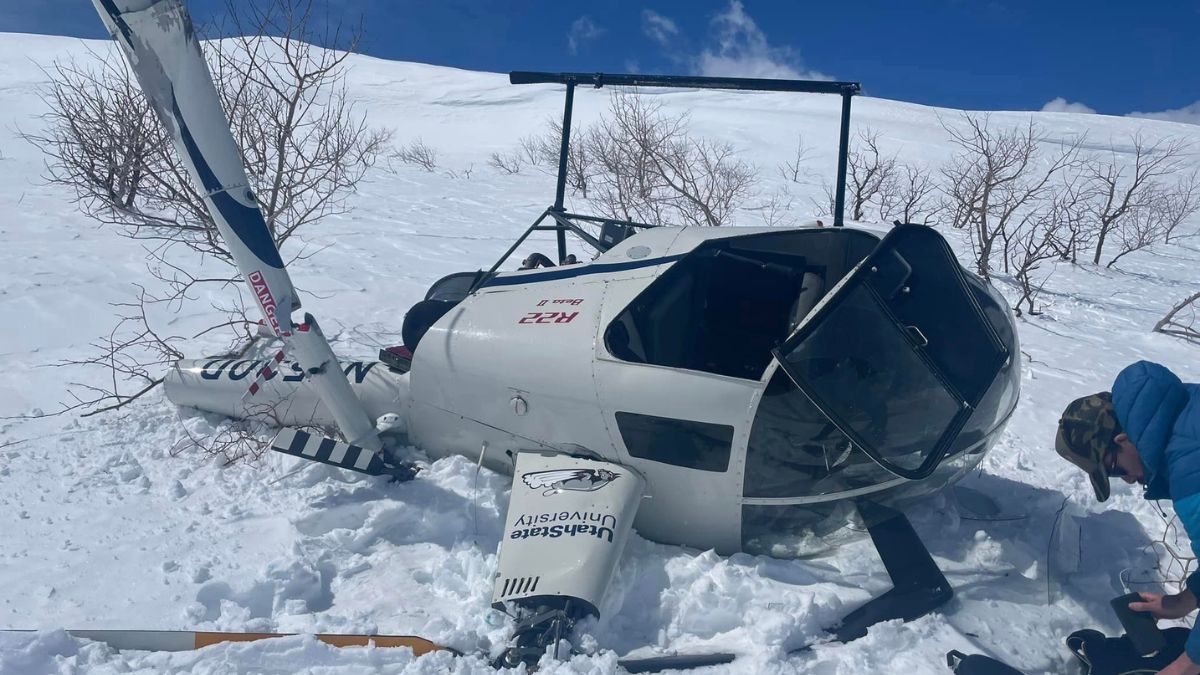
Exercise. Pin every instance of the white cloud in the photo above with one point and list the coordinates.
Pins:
(1188, 114)
(742, 50)
(1061, 104)
(582, 30)
(659, 28)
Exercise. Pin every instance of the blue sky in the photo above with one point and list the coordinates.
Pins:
(1109, 56)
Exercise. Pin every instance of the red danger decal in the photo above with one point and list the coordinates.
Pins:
(548, 317)
(265, 299)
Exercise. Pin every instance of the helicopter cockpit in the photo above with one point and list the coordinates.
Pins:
(735, 299)
(872, 375)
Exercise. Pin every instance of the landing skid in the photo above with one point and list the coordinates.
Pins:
(918, 586)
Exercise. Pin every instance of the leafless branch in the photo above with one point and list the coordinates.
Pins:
(507, 162)
(1181, 321)
(1123, 190)
(418, 154)
(304, 145)
(649, 168)
(794, 169)
(997, 175)
(908, 195)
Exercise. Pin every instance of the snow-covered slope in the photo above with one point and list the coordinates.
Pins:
(102, 527)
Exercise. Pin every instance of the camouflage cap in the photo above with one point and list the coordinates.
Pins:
(1085, 435)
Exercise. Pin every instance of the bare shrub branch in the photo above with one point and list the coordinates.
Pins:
(777, 209)
(867, 171)
(909, 195)
(508, 163)
(304, 145)
(1037, 239)
(418, 154)
(1180, 202)
(995, 177)
(649, 168)
(794, 169)
(1123, 189)
(544, 150)
(1181, 321)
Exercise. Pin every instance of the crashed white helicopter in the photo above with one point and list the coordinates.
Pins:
(736, 389)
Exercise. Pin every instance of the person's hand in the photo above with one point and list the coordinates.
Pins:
(1180, 666)
(1165, 606)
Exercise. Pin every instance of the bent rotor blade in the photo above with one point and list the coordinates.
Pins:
(160, 44)
(186, 641)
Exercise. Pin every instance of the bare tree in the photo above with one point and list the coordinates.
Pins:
(1179, 203)
(908, 195)
(1122, 189)
(626, 184)
(867, 171)
(1036, 241)
(304, 145)
(777, 209)
(580, 164)
(1158, 214)
(418, 153)
(544, 151)
(648, 167)
(706, 177)
(996, 176)
(1141, 227)
(508, 162)
(794, 169)
(1073, 214)
(1181, 321)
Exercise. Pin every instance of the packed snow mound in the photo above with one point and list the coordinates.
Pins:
(110, 524)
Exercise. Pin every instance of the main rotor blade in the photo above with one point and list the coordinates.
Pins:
(160, 44)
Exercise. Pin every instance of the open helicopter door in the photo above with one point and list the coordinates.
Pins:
(899, 354)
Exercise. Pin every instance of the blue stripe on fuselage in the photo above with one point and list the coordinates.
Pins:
(579, 271)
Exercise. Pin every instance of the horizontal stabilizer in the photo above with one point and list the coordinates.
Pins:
(329, 451)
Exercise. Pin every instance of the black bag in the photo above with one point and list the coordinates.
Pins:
(1101, 655)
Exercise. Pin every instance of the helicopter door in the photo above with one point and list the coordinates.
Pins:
(898, 355)
(684, 430)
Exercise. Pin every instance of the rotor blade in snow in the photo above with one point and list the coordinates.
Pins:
(185, 641)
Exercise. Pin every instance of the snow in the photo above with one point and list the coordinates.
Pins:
(107, 524)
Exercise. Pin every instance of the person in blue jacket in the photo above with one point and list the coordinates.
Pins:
(1147, 431)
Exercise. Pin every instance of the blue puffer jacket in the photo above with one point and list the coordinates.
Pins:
(1161, 414)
